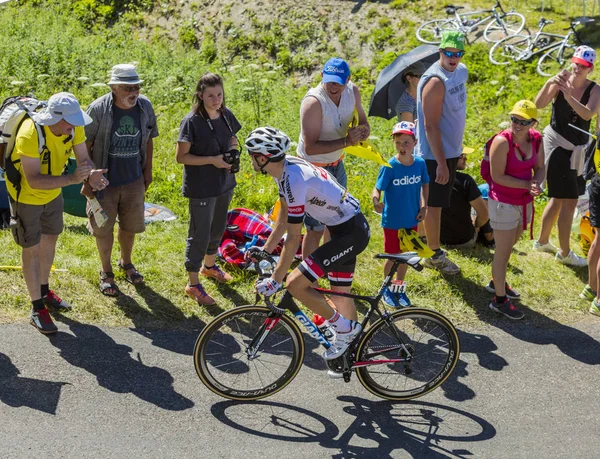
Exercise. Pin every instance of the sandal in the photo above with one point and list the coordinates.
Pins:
(108, 288)
(134, 278)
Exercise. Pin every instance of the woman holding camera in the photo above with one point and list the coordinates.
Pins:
(208, 149)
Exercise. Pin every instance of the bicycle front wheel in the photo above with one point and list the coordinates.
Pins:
(430, 339)
(509, 49)
(431, 31)
(555, 60)
(229, 367)
(509, 24)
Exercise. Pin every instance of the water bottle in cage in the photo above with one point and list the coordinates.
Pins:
(323, 326)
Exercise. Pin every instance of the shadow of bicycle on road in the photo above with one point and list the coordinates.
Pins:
(419, 428)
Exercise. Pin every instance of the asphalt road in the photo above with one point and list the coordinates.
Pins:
(518, 391)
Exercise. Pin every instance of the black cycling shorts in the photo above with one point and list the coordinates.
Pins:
(337, 258)
(563, 182)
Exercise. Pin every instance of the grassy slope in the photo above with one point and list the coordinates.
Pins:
(264, 85)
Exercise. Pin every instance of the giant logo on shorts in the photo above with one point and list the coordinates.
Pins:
(406, 180)
(335, 258)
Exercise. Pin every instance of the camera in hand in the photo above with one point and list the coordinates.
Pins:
(232, 157)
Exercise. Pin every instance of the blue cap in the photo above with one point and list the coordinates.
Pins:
(336, 70)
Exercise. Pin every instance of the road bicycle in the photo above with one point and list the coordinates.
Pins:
(252, 352)
(555, 55)
(501, 24)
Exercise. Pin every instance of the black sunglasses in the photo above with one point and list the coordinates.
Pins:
(130, 87)
(452, 53)
(521, 122)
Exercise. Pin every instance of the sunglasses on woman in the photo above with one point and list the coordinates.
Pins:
(452, 54)
(521, 122)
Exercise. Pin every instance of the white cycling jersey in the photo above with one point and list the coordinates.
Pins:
(308, 189)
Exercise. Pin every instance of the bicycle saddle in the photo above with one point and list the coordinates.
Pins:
(451, 9)
(409, 258)
(544, 21)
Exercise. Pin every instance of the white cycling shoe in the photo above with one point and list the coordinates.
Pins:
(342, 341)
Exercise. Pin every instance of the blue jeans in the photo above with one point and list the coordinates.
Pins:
(339, 172)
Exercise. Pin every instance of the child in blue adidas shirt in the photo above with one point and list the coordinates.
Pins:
(406, 188)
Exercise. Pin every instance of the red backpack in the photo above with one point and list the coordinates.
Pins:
(485, 170)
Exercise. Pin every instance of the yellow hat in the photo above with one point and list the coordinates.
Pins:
(467, 150)
(525, 109)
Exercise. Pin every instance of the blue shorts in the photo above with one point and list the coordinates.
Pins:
(339, 172)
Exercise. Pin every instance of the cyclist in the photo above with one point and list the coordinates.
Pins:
(308, 189)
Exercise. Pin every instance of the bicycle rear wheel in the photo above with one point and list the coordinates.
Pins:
(227, 366)
(555, 60)
(431, 31)
(509, 24)
(430, 338)
(509, 49)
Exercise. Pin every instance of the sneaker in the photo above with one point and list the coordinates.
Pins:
(571, 259)
(197, 292)
(506, 308)
(403, 300)
(342, 341)
(587, 293)
(442, 264)
(390, 298)
(510, 292)
(216, 273)
(595, 308)
(548, 247)
(42, 321)
(54, 301)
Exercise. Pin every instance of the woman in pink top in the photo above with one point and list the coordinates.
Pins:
(517, 170)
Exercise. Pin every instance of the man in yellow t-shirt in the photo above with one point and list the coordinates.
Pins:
(37, 208)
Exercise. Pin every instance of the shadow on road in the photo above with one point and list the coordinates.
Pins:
(418, 428)
(16, 391)
(115, 369)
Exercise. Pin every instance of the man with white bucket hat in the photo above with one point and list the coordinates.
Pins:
(37, 208)
(120, 139)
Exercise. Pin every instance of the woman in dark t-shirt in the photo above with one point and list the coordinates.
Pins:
(206, 139)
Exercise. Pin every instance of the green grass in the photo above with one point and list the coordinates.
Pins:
(268, 62)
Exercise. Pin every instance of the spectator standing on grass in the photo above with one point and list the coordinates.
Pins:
(441, 113)
(406, 107)
(206, 135)
(326, 114)
(517, 171)
(575, 99)
(405, 186)
(458, 230)
(590, 291)
(37, 208)
(120, 139)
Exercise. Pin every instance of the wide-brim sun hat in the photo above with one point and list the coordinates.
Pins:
(61, 106)
(525, 109)
(124, 74)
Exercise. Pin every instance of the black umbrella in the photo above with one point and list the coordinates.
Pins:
(389, 86)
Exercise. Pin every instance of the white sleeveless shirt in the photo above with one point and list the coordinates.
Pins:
(334, 122)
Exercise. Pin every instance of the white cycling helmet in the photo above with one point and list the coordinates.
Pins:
(269, 142)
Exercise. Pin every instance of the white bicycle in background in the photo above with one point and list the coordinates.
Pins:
(500, 24)
(555, 50)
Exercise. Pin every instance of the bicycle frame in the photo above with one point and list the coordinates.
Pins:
(491, 14)
(564, 40)
(313, 330)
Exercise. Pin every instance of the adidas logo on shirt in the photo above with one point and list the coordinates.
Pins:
(406, 180)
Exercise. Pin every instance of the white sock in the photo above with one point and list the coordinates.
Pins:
(340, 323)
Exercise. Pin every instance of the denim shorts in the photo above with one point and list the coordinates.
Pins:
(339, 172)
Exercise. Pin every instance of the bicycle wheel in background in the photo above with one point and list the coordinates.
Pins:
(509, 24)
(430, 338)
(431, 31)
(555, 60)
(510, 49)
(228, 369)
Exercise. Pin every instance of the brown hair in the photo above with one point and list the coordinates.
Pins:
(208, 80)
